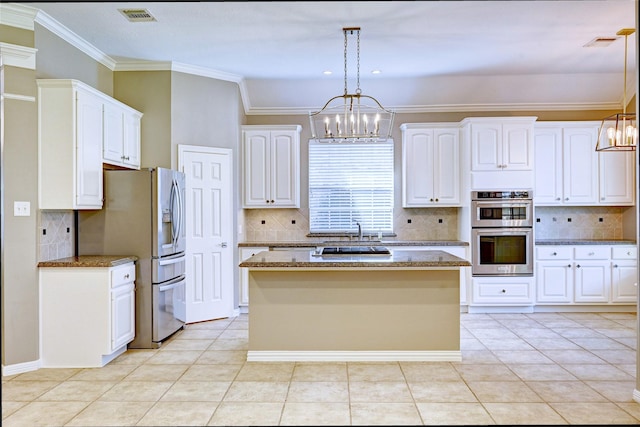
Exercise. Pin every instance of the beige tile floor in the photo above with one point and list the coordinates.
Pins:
(541, 368)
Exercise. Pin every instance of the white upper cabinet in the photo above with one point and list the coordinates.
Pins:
(568, 170)
(271, 166)
(501, 151)
(121, 139)
(76, 125)
(617, 178)
(430, 164)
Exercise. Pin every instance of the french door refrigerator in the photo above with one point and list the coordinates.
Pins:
(144, 215)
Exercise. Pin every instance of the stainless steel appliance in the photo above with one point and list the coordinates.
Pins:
(144, 215)
(502, 233)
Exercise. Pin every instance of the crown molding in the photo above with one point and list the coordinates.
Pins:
(17, 15)
(18, 56)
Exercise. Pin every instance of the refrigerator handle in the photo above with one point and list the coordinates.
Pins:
(175, 217)
(181, 207)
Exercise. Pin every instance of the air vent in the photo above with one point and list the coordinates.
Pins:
(137, 15)
(601, 41)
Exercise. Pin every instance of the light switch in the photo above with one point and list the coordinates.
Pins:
(21, 209)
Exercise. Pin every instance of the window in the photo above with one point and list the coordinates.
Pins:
(349, 183)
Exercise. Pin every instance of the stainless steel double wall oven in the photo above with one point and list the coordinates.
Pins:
(502, 233)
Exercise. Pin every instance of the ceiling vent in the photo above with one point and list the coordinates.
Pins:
(137, 15)
(601, 42)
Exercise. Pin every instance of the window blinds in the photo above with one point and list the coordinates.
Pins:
(349, 183)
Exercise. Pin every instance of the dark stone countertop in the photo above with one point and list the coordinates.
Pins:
(89, 261)
(321, 243)
(398, 259)
(585, 242)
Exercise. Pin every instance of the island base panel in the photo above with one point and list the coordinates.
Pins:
(384, 310)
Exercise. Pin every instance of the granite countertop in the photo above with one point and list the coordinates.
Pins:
(314, 243)
(89, 261)
(397, 259)
(585, 242)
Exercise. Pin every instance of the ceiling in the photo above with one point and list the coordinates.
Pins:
(433, 55)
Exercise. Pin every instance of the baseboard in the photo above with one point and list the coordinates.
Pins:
(20, 368)
(354, 356)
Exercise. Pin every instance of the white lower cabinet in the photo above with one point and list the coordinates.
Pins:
(586, 274)
(502, 291)
(245, 253)
(87, 314)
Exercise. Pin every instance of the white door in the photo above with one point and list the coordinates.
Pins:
(209, 290)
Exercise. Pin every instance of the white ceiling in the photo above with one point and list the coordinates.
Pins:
(434, 55)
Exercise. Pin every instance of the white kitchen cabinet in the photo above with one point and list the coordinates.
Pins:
(430, 164)
(121, 138)
(72, 126)
(554, 274)
(502, 291)
(501, 151)
(586, 274)
(568, 170)
(616, 175)
(87, 314)
(624, 274)
(271, 170)
(245, 253)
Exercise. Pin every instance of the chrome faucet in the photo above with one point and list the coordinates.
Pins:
(359, 230)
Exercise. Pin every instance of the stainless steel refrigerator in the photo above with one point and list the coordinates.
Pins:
(144, 215)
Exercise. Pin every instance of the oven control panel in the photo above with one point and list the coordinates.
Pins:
(502, 195)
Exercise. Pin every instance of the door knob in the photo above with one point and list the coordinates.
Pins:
(223, 244)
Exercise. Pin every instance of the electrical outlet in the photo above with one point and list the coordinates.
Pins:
(21, 209)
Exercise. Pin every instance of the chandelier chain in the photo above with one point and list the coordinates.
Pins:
(358, 90)
(345, 61)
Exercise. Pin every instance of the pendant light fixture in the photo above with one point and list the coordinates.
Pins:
(352, 117)
(619, 132)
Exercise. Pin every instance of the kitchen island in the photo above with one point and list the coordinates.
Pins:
(311, 307)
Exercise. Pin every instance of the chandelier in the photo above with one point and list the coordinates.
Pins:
(352, 117)
(619, 132)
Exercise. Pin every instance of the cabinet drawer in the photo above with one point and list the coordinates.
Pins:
(502, 293)
(553, 252)
(591, 252)
(122, 275)
(624, 252)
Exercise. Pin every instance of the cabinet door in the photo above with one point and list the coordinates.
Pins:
(89, 150)
(131, 143)
(624, 281)
(580, 166)
(592, 281)
(617, 175)
(548, 166)
(122, 315)
(554, 282)
(284, 169)
(113, 132)
(486, 147)
(244, 275)
(446, 167)
(418, 174)
(256, 168)
(517, 147)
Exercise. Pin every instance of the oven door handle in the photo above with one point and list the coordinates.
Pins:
(503, 204)
(164, 288)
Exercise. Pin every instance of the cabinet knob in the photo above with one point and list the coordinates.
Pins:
(615, 265)
(566, 198)
(569, 265)
(431, 200)
(554, 253)
(437, 200)
(577, 265)
(272, 201)
(558, 199)
(602, 198)
(591, 253)
(126, 276)
(629, 253)
(504, 291)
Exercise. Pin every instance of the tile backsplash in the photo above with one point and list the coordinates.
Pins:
(285, 225)
(589, 222)
(56, 233)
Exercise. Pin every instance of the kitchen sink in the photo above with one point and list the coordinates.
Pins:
(355, 250)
